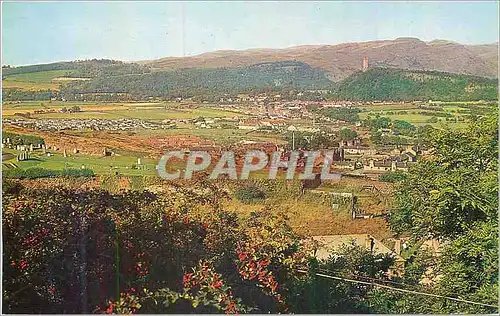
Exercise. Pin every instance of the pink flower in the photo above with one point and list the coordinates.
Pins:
(23, 264)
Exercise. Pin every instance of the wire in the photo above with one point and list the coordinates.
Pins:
(398, 289)
(375, 279)
(368, 278)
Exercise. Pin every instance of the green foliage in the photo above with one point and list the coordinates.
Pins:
(190, 82)
(84, 68)
(249, 194)
(453, 197)
(23, 95)
(378, 123)
(76, 173)
(37, 68)
(407, 85)
(309, 141)
(284, 190)
(35, 173)
(82, 251)
(404, 128)
(348, 134)
(22, 139)
(349, 115)
(320, 295)
(30, 173)
(393, 177)
(469, 266)
(117, 81)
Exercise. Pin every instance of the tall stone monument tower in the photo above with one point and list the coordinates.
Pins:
(365, 63)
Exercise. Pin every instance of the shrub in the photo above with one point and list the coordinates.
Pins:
(76, 173)
(144, 253)
(393, 177)
(249, 193)
(35, 173)
(22, 139)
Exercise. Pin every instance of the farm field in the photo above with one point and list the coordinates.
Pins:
(220, 136)
(145, 111)
(143, 114)
(41, 80)
(100, 165)
(453, 114)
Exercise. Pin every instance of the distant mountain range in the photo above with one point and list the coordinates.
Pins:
(342, 60)
(401, 69)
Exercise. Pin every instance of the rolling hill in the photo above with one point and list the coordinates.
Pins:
(380, 84)
(342, 60)
(265, 76)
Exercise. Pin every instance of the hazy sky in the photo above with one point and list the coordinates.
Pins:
(37, 32)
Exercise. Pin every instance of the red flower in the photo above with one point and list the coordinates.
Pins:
(186, 279)
(109, 310)
(12, 264)
(242, 256)
(217, 284)
(23, 264)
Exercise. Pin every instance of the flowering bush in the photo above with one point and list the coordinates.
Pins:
(84, 251)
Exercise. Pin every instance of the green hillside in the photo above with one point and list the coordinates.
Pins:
(267, 76)
(109, 80)
(380, 84)
(84, 68)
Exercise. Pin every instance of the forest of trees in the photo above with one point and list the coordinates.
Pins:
(192, 82)
(118, 81)
(380, 84)
(24, 95)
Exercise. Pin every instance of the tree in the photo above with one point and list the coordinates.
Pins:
(326, 296)
(404, 127)
(453, 197)
(379, 123)
(348, 134)
(309, 141)
(72, 250)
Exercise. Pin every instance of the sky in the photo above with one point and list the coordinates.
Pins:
(40, 32)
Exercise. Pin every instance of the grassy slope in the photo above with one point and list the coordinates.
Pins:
(33, 81)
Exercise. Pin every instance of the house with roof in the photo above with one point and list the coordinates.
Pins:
(327, 244)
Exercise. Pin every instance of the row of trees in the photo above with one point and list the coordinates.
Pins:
(21, 139)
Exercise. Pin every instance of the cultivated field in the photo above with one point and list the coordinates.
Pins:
(34, 81)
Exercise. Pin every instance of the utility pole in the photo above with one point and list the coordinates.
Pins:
(292, 129)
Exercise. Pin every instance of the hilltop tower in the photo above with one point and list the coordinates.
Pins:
(365, 63)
